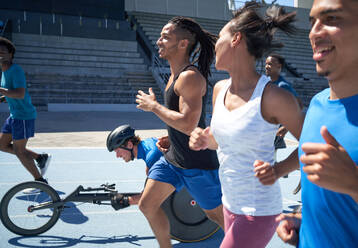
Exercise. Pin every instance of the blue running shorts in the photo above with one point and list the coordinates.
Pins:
(19, 129)
(203, 185)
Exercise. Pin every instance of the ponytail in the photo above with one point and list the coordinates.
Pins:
(276, 17)
(203, 54)
(259, 31)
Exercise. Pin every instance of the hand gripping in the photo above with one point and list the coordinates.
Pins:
(119, 201)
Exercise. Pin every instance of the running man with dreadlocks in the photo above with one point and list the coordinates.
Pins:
(184, 110)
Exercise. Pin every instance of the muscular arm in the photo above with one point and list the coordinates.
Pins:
(190, 87)
(201, 139)
(280, 106)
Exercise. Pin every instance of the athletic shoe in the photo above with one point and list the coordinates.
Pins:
(31, 191)
(43, 162)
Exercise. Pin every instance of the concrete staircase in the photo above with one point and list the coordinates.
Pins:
(69, 70)
(297, 52)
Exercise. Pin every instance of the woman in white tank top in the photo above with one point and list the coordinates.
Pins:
(247, 110)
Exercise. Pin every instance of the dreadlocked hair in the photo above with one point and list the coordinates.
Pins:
(203, 55)
(258, 30)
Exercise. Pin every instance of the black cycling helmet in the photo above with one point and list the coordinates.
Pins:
(119, 136)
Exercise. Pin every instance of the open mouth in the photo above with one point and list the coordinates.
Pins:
(320, 53)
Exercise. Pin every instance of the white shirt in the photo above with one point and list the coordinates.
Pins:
(244, 136)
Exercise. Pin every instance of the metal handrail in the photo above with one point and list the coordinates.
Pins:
(160, 72)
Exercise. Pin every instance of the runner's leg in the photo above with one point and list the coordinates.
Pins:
(153, 196)
(216, 215)
(25, 157)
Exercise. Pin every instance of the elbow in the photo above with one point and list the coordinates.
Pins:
(188, 129)
(20, 93)
(188, 124)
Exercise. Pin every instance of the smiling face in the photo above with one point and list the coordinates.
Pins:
(167, 42)
(123, 153)
(334, 37)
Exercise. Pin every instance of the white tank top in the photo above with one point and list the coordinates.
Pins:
(243, 136)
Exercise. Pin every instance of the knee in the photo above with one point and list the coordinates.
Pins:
(20, 152)
(147, 208)
(144, 207)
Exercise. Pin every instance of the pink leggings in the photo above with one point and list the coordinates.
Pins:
(243, 231)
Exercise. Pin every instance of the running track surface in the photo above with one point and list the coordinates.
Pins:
(90, 225)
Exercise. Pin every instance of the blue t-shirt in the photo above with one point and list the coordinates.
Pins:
(282, 83)
(148, 151)
(329, 219)
(21, 109)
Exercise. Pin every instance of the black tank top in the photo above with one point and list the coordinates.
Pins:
(179, 153)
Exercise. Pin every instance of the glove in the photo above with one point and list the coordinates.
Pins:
(119, 201)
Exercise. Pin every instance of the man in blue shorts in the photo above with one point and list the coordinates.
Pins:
(20, 125)
(184, 110)
(328, 145)
(129, 146)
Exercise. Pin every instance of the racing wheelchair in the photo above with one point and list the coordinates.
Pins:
(34, 214)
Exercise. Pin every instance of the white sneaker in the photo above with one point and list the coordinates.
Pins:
(31, 191)
(44, 163)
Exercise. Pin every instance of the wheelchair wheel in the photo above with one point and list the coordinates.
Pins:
(15, 209)
(188, 222)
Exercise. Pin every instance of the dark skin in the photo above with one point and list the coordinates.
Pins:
(7, 144)
(6, 62)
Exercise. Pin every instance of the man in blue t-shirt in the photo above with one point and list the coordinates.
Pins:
(20, 125)
(129, 146)
(328, 146)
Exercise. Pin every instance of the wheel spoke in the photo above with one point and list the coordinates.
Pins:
(15, 206)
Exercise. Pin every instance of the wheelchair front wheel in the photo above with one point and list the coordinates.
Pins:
(15, 208)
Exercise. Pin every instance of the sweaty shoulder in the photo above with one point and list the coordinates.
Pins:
(275, 94)
(218, 86)
(275, 100)
(190, 80)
